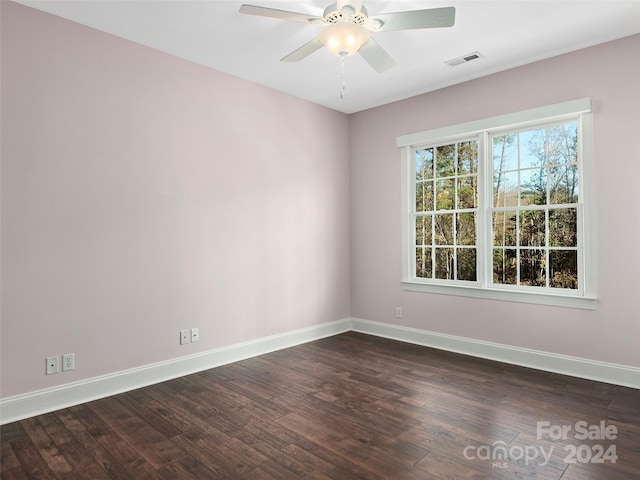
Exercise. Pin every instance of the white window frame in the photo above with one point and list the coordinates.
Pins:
(585, 297)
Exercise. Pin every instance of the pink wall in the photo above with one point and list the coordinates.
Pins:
(610, 75)
(143, 194)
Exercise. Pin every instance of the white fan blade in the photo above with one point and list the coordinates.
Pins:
(375, 56)
(302, 52)
(281, 14)
(355, 4)
(430, 18)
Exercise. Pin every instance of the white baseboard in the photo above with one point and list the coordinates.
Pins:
(623, 375)
(48, 400)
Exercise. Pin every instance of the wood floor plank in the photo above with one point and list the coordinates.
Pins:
(272, 470)
(196, 445)
(155, 448)
(47, 449)
(182, 416)
(56, 430)
(151, 414)
(9, 459)
(103, 446)
(31, 461)
(345, 407)
(225, 458)
(187, 468)
(92, 472)
(14, 474)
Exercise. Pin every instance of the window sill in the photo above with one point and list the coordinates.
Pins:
(585, 303)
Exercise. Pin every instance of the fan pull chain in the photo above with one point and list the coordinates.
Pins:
(342, 81)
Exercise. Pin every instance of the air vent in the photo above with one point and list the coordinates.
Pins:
(464, 59)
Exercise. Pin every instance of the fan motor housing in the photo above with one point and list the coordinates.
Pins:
(333, 15)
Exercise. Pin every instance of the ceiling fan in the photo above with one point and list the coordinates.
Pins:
(347, 29)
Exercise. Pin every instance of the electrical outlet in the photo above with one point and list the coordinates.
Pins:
(184, 337)
(195, 334)
(398, 312)
(52, 365)
(68, 362)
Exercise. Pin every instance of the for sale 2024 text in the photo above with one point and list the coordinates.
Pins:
(582, 430)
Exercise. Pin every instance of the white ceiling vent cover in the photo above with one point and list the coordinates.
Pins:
(464, 59)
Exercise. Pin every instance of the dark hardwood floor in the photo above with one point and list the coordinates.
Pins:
(346, 407)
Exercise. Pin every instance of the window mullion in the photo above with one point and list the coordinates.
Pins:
(483, 218)
(547, 247)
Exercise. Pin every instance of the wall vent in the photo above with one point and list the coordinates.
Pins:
(463, 59)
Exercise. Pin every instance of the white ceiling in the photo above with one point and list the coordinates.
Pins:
(507, 33)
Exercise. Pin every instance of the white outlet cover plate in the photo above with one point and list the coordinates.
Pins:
(68, 362)
(52, 365)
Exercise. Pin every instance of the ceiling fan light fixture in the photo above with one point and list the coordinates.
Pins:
(348, 28)
(344, 38)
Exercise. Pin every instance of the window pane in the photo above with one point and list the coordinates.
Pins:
(468, 157)
(532, 268)
(552, 145)
(567, 139)
(558, 145)
(423, 230)
(505, 189)
(466, 258)
(424, 164)
(533, 185)
(532, 228)
(563, 227)
(445, 160)
(424, 196)
(423, 263)
(466, 228)
(443, 229)
(504, 228)
(444, 263)
(563, 184)
(467, 192)
(532, 148)
(564, 268)
(445, 194)
(505, 266)
(505, 152)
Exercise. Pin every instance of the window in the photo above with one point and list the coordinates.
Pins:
(535, 206)
(446, 186)
(499, 208)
